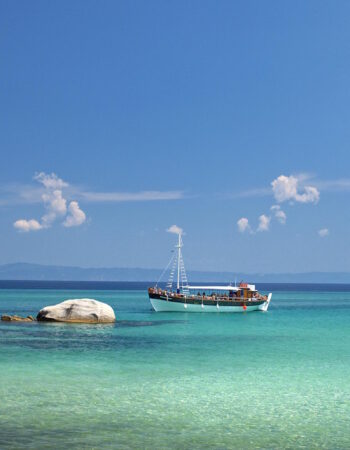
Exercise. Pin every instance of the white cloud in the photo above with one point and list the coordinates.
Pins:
(27, 225)
(323, 232)
(281, 217)
(175, 229)
(279, 214)
(310, 195)
(55, 193)
(75, 217)
(264, 223)
(243, 225)
(55, 204)
(289, 188)
(18, 194)
(50, 181)
(284, 188)
(131, 196)
(335, 185)
(338, 185)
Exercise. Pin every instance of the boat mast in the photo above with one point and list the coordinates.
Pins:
(178, 246)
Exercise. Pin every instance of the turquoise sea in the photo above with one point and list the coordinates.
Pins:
(271, 380)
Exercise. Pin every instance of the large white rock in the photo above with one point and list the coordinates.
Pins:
(83, 310)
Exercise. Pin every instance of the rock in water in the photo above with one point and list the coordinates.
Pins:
(83, 310)
(8, 318)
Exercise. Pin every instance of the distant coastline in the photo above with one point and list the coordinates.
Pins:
(49, 273)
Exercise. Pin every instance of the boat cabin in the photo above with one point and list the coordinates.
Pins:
(244, 290)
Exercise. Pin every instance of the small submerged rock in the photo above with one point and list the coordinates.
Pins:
(84, 310)
(14, 318)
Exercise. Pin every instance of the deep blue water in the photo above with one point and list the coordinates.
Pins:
(142, 285)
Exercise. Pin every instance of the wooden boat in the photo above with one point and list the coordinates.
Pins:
(241, 298)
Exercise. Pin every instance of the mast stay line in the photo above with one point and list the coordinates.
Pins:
(179, 266)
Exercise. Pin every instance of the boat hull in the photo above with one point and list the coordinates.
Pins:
(168, 305)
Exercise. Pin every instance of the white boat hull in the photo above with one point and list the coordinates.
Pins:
(169, 306)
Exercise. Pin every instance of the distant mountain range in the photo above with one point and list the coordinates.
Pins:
(27, 271)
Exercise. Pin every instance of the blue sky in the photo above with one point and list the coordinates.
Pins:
(159, 113)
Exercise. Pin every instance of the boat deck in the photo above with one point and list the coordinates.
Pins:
(205, 300)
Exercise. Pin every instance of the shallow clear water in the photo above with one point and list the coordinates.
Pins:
(170, 380)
